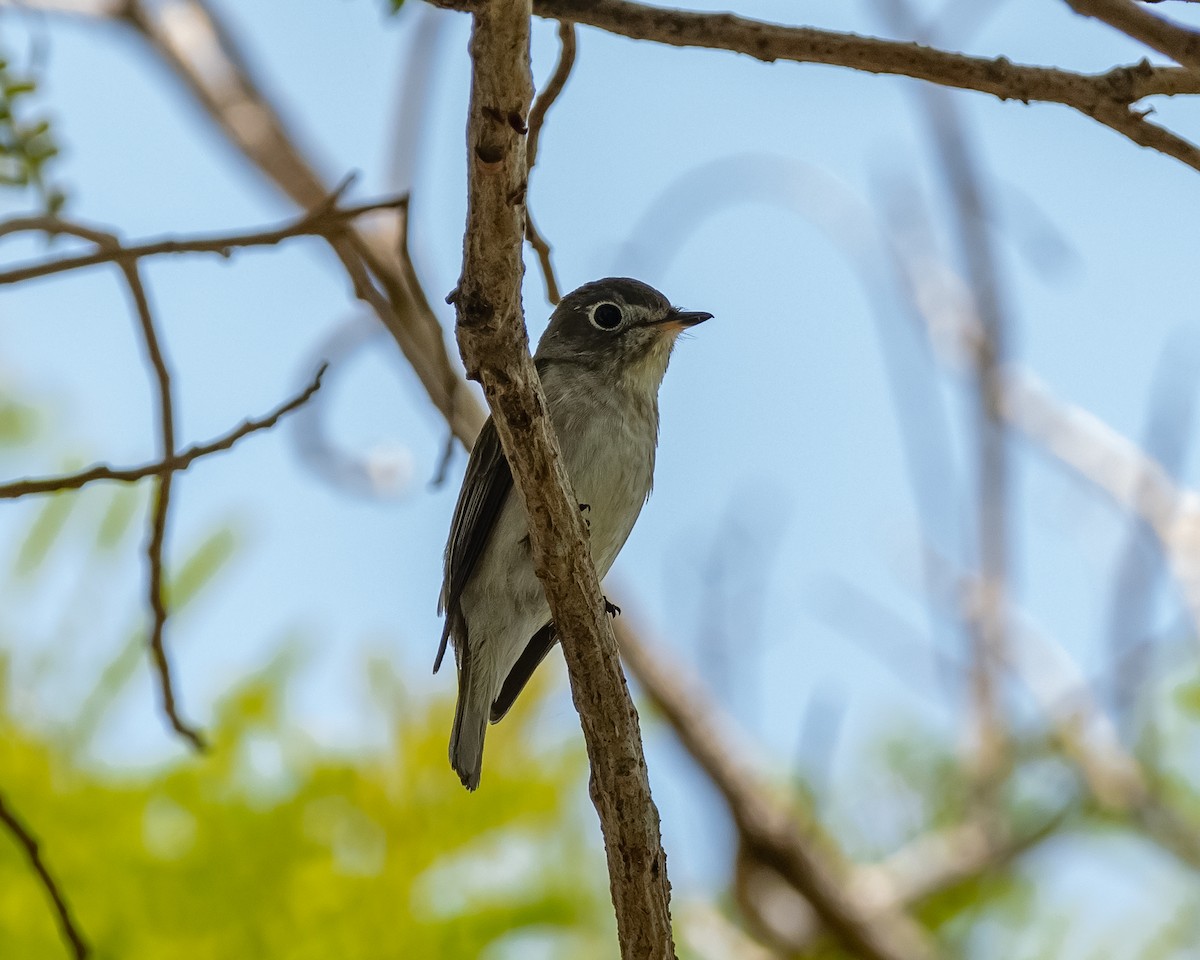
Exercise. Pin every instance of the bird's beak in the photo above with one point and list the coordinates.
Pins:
(689, 318)
(678, 320)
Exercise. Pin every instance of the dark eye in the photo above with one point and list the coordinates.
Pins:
(607, 316)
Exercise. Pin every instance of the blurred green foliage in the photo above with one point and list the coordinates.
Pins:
(269, 847)
(27, 142)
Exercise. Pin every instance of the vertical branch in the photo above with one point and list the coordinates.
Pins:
(986, 611)
(992, 491)
(161, 501)
(62, 910)
(495, 349)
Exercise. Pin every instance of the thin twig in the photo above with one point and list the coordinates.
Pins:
(541, 247)
(176, 464)
(318, 222)
(537, 118)
(160, 504)
(550, 92)
(62, 910)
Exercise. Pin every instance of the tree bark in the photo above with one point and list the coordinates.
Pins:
(495, 350)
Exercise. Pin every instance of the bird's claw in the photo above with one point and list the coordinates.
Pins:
(611, 608)
(586, 508)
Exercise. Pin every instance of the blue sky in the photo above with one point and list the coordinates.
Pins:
(779, 431)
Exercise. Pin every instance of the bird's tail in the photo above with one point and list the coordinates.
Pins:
(470, 725)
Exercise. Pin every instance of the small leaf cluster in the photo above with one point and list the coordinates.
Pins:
(27, 143)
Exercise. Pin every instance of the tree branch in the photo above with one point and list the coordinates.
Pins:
(1105, 97)
(160, 504)
(181, 461)
(322, 221)
(62, 910)
(494, 346)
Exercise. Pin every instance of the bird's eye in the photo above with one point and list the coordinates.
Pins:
(606, 316)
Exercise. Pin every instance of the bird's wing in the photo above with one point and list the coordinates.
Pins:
(485, 487)
(534, 653)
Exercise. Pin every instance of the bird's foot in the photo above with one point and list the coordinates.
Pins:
(586, 508)
(611, 608)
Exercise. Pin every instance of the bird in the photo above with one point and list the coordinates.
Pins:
(601, 361)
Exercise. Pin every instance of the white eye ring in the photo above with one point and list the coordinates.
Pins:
(606, 316)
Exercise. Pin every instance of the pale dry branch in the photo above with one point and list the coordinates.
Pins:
(62, 910)
(770, 834)
(964, 175)
(928, 866)
(108, 245)
(1117, 467)
(176, 464)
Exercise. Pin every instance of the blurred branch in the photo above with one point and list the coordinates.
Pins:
(1140, 567)
(324, 220)
(62, 910)
(985, 619)
(927, 867)
(771, 834)
(175, 464)
(537, 117)
(1116, 466)
(495, 349)
(423, 47)
(1135, 482)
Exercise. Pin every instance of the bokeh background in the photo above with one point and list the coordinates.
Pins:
(808, 551)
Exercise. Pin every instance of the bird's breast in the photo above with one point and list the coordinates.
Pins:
(608, 448)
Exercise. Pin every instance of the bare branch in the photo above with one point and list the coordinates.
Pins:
(175, 464)
(322, 221)
(62, 910)
(160, 504)
(494, 346)
(541, 247)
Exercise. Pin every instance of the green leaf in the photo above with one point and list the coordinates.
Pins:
(18, 423)
(44, 532)
(200, 568)
(117, 517)
(1187, 697)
